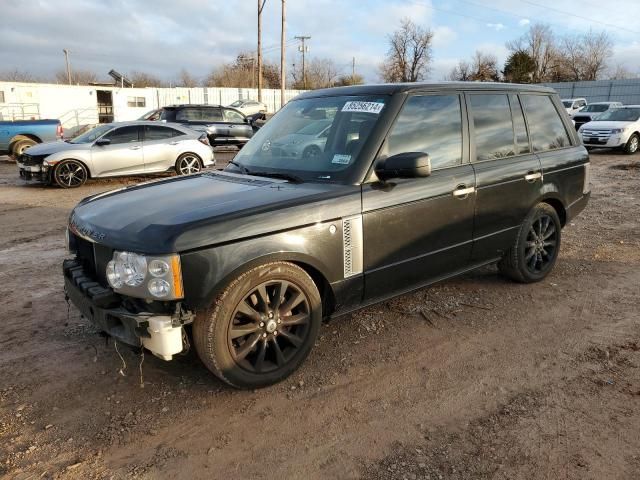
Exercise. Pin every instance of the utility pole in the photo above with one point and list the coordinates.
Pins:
(302, 48)
(283, 73)
(260, 7)
(353, 68)
(66, 59)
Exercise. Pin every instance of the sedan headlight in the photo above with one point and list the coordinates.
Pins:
(145, 276)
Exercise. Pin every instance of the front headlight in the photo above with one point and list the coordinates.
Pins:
(617, 130)
(143, 276)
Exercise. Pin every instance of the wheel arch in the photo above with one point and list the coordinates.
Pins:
(558, 206)
(84, 164)
(21, 136)
(306, 262)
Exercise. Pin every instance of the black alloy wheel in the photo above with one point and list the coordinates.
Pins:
(541, 243)
(269, 326)
(70, 174)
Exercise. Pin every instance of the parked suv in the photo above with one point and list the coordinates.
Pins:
(591, 111)
(415, 183)
(615, 128)
(223, 125)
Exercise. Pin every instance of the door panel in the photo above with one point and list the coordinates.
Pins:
(123, 156)
(160, 148)
(508, 174)
(416, 230)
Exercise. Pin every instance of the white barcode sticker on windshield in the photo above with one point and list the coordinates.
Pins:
(341, 159)
(368, 107)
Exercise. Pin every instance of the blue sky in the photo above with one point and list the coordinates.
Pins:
(163, 36)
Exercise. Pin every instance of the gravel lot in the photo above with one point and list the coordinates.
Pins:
(475, 377)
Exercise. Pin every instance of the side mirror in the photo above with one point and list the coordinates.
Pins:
(404, 165)
(101, 142)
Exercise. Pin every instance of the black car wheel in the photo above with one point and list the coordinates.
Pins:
(536, 248)
(632, 144)
(188, 163)
(311, 151)
(261, 327)
(70, 174)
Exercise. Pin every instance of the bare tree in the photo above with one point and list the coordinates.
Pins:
(409, 54)
(482, 68)
(540, 43)
(242, 73)
(185, 79)
(78, 77)
(345, 80)
(621, 73)
(16, 75)
(142, 79)
(597, 48)
(320, 73)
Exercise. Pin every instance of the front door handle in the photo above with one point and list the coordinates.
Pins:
(173, 143)
(532, 176)
(135, 147)
(462, 191)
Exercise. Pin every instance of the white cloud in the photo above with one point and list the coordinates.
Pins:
(496, 26)
(524, 22)
(443, 36)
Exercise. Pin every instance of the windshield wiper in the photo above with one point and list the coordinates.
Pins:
(282, 175)
(242, 168)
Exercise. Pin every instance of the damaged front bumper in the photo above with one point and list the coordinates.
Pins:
(39, 173)
(161, 333)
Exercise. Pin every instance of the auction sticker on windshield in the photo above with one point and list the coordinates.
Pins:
(341, 159)
(368, 107)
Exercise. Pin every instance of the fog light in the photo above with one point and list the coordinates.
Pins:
(159, 288)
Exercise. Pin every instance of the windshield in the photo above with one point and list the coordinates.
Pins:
(91, 135)
(567, 103)
(237, 103)
(348, 120)
(595, 108)
(620, 115)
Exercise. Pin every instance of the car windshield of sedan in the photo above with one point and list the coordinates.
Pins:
(92, 135)
(237, 103)
(620, 115)
(315, 139)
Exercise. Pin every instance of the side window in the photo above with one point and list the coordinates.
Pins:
(152, 132)
(519, 128)
(492, 126)
(431, 124)
(210, 114)
(188, 115)
(233, 116)
(545, 125)
(123, 135)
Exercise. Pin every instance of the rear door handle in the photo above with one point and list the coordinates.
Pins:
(173, 143)
(135, 147)
(462, 191)
(532, 177)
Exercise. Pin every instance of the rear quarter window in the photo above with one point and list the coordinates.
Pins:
(545, 125)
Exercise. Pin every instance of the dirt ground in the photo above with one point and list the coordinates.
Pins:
(476, 377)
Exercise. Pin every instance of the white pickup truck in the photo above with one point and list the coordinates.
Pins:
(615, 128)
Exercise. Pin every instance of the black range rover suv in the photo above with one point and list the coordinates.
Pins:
(413, 183)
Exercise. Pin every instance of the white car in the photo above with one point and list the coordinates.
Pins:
(572, 105)
(615, 128)
(249, 107)
(115, 149)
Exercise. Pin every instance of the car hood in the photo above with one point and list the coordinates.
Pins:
(596, 124)
(186, 213)
(49, 148)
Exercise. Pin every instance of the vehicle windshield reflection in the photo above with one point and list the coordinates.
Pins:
(316, 139)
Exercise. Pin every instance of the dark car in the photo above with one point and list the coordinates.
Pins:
(415, 183)
(223, 125)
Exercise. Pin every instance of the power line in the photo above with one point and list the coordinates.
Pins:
(581, 17)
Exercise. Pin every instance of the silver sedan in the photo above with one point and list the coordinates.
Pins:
(115, 149)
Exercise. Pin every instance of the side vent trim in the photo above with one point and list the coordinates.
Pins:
(352, 245)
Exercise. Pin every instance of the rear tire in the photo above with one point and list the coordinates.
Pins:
(261, 328)
(536, 248)
(632, 144)
(20, 145)
(188, 163)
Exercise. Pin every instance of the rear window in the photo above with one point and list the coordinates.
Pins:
(156, 132)
(545, 125)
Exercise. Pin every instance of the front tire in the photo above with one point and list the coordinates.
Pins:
(536, 247)
(70, 174)
(261, 328)
(632, 144)
(188, 163)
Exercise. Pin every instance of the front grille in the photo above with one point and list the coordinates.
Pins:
(94, 258)
(31, 160)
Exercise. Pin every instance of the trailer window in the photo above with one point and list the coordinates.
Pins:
(136, 102)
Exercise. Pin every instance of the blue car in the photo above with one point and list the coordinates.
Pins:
(16, 137)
